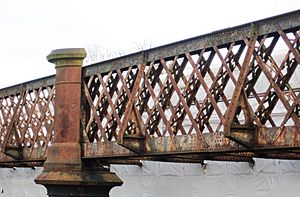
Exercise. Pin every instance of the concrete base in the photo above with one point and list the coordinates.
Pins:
(78, 183)
(77, 191)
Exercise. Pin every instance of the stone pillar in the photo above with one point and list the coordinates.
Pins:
(64, 173)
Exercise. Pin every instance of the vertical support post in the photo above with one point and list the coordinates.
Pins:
(64, 173)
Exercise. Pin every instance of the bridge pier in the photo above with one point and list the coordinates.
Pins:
(64, 173)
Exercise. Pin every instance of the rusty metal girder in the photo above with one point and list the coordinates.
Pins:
(269, 139)
(43, 82)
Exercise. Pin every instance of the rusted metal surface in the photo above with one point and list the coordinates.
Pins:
(28, 86)
(203, 95)
(268, 139)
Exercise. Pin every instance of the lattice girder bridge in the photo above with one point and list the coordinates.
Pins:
(229, 95)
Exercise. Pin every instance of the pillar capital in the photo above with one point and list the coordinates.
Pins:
(67, 57)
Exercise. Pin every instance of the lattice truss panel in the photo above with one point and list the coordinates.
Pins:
(26, 123)
(190, 93)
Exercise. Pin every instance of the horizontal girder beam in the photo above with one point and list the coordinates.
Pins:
(280, 139)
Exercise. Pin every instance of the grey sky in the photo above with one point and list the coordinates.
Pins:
(31, 29)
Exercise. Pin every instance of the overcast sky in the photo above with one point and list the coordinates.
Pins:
(30, 29)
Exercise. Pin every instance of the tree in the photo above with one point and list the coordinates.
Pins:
(96, 53)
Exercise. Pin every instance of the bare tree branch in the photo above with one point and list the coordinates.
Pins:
(96, 53)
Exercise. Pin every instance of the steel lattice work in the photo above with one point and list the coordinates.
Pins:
(228, 95)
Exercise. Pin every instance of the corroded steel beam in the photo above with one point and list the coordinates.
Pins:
(28, 86)
(269, 139)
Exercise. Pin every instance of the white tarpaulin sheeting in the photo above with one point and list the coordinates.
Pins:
(18, 182)
(270, 178)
